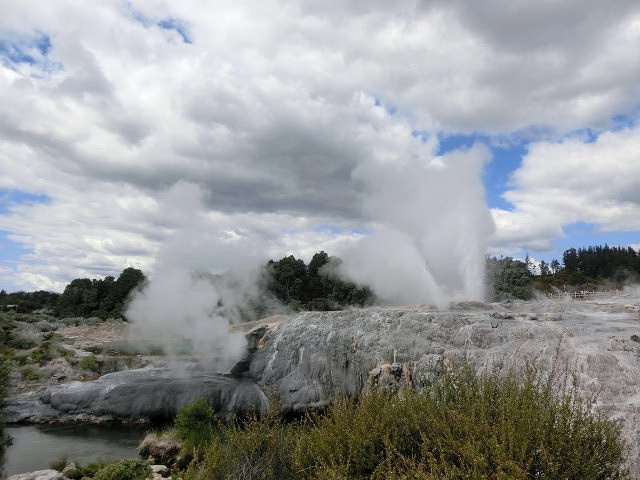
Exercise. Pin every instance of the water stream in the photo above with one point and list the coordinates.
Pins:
(34, 447)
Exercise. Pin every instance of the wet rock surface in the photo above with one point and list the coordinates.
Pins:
(135, 394)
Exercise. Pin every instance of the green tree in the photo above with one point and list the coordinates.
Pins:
(508, 278)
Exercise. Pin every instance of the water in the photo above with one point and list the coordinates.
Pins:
(36, 446)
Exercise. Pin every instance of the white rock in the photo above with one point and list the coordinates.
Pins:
(160, 469)
(39, 475)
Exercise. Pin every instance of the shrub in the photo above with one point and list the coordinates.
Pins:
(124, 470)
(250, 449)
(21, 343)
(89, 363)
(41, 354)
(32, 375)
(59, 464)
(514, 426)
(195, 424)
(80, 472)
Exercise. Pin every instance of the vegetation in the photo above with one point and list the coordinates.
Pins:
(517, 426)
(89, 363)
(195, 425)
(315, 286)
(587, 268)
(98, 298)
(590, 268)
(508, 278)
(29, 301)
(79, 472)
(124, 470)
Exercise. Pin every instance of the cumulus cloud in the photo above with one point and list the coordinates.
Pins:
(270, 109)
(574, 180)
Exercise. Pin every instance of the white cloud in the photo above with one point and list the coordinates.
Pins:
(560, 183)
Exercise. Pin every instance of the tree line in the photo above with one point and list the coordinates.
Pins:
(588, 268)
(317, 286)
(83, 297)
(292, 282)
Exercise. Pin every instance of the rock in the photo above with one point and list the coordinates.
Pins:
(136, 394)
(39, 475)
(389, 378)
(59, 369)
(161, 470)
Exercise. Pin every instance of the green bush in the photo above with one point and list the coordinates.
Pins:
(42, 354)
(251, 449)
(89, 363)
(32, 375)
(195, 424)
(124, 470)
(21, 343)
(515, 426)
(80, 472)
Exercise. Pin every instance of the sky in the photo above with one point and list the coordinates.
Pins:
(124, 124)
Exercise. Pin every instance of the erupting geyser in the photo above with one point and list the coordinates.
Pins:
(432, 227)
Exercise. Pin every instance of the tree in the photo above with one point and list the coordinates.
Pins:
(570, 260)
(544, 268)
(508, 278)
(102, 298)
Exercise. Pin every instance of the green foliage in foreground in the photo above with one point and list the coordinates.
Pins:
(195, 425)
(124, 470)
(517, 426)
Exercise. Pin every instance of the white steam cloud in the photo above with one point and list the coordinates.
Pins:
(433, 227)
(187, 306)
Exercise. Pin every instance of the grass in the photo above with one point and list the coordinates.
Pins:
(515, 426)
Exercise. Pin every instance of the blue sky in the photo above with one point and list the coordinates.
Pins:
(126, 126)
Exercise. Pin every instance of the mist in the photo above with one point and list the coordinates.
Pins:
(431, 228)
(203, 281)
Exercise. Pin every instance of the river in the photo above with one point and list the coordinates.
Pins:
(34, 447)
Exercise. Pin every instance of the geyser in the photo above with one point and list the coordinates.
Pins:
(186, 307)
(431, 227)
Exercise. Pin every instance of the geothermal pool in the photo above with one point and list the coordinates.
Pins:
(36, 446)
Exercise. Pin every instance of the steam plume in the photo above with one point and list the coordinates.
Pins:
(432, 225)
(187, 307)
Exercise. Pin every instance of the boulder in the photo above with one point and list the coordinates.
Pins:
(145, 393)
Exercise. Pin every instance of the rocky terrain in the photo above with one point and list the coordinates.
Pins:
(306, 361)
